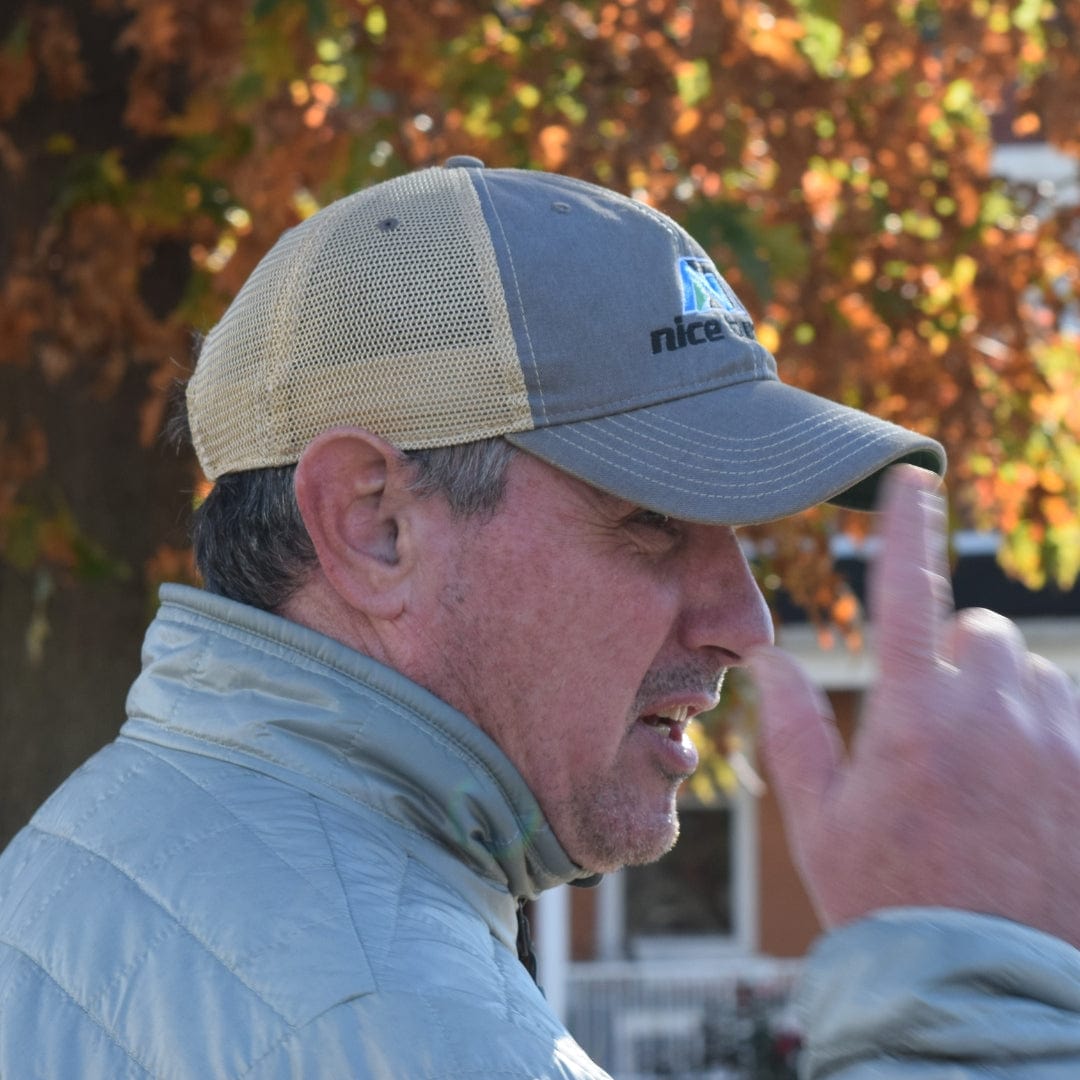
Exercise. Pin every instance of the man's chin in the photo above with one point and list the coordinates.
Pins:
(629, 847)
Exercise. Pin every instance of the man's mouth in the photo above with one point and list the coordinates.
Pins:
(674, 719)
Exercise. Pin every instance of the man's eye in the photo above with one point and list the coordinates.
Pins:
(653, 519)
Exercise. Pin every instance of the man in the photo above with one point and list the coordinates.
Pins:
(480, 439)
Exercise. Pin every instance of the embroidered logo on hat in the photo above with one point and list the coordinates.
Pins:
(705, 292)
(680, 335)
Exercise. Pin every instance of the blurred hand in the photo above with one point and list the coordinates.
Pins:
(963, 785)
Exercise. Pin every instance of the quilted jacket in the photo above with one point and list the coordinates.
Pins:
(294, 863)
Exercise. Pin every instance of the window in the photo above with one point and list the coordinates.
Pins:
(699, 899)
(688, 891)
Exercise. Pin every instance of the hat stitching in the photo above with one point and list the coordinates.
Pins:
(611, 199)
(763, 485)
(744, 489)
(482, 179)
(652, 215)
(733, 443)
(823, 438)
(838, 415)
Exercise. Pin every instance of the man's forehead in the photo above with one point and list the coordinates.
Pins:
(576, 490)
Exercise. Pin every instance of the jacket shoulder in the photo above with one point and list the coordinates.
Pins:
(149, 921)
(155, 895)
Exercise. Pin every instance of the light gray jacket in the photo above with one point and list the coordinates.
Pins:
(294, 863)
(936, 994)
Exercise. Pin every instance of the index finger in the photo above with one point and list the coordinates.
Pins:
(911, 597)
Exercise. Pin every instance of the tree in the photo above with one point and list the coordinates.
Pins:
(834, 156)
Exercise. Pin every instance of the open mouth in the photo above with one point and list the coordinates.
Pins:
(674, 720)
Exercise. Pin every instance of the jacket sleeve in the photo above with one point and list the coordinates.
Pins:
(937, 994)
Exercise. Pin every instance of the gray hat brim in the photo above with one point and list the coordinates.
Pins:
(738, 455)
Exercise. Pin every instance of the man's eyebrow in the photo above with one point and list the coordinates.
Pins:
(612, 504)
(615, 506)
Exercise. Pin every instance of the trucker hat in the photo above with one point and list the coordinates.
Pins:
(460, 302)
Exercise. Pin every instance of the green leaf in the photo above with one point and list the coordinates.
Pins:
(1027, 15)
(22, 539)
(959, 96)
(93, 178)
(693, 82)
(375, 23)
(822, 43)
(18, 40)
(264, 8)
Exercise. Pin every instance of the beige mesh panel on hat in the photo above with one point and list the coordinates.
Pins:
(384, 310)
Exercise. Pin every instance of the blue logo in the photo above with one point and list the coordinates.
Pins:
(705, 291)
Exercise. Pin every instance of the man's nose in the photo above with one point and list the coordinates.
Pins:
(723, 608)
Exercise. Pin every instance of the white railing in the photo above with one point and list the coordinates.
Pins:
(647, 1020)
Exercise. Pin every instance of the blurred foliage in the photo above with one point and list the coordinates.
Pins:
(834, 157)
(724, 737)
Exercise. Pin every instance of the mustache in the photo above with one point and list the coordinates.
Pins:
(681, 679)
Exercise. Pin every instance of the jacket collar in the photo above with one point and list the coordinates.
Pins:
(240, 684)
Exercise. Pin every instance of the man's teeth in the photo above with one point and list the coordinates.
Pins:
(679, 714)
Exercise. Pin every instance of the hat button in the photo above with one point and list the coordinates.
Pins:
(463, 161)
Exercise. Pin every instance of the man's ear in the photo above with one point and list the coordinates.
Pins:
(352, 490)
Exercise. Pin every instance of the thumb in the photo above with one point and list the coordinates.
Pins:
(798, 735)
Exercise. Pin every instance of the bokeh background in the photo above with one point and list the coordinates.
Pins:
(839, 158)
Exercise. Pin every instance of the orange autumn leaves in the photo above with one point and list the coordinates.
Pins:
(835, 159)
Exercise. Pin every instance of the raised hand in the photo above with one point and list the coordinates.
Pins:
(963, 785)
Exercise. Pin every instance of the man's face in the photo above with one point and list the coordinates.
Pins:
(580, 632)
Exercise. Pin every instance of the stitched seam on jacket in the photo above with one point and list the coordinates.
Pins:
(507, 963)
(297, 928)
(168, 928)
(172, 915)
(269, 645)
(337, 873)
(497, 948)
(104, 796)
(299, 770)
(282, 1039)
(96, 1020)
(399, 892)
(293, 1034)
(435, 1012)
(58, 888)
(389, 818)
(234, 816)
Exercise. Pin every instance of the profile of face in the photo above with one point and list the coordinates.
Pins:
(581, 633)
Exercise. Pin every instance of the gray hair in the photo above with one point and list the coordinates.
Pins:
(250, 541)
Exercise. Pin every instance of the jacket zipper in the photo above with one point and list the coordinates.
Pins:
(524, 942)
